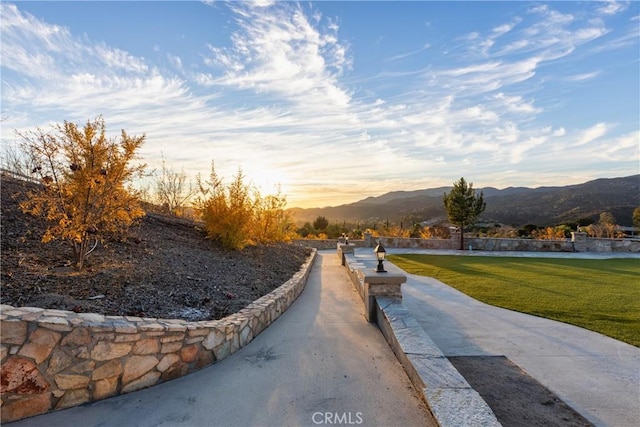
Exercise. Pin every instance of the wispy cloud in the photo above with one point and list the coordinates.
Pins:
(283, 53)
(592, 134)
(408, 54)
(583, 76)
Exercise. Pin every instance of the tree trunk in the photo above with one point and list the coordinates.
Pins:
(462, 237)
(79, 253)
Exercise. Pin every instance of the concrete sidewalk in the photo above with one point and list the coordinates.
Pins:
(320, 363)
(598, 376)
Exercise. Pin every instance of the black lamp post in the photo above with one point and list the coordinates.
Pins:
(380, 253)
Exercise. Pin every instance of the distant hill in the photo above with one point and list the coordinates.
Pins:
(513, 205)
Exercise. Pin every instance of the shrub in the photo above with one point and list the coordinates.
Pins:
(238, 215)
(84, 176)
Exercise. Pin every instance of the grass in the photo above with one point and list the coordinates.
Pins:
(599, 295)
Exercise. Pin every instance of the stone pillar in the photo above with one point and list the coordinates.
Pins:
(455, 239)
(579, 239)
(345, 248)
(380, 285)
(367, 240)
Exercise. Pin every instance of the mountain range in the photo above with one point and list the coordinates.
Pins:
(515, 206)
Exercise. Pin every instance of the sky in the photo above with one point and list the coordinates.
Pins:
(338, 101)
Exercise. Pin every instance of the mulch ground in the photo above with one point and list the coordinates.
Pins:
(515, 397)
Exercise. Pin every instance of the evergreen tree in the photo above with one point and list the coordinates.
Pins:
(463, 206)
(321, 223)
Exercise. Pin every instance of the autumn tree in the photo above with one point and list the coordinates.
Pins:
(272, 223)
(607, 218)
(463, 206)
(237, 215)
(605, 228)
(215, 207)
(550, 233)
(636, 217)
(85, 193)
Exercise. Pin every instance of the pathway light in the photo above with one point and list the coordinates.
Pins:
(380, 253)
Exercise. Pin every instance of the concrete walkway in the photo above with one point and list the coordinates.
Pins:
(598, 376)
(320, 363)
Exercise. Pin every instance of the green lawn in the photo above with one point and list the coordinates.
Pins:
(600, 295)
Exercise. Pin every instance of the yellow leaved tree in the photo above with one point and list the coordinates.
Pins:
(85, 192)
(236, 216)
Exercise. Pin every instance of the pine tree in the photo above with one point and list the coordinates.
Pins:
(463, 206)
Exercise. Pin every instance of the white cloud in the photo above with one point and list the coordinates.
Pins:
(117, 59)
(515, 103)
(591, 134)
(612, 7)
(559, 132)
(262, 3)
(621, 148)
(176, 61)
(583, 76)
(280, 52)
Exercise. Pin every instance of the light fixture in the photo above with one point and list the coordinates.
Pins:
(380, 253)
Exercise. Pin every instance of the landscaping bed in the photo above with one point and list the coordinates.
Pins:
(163, 268)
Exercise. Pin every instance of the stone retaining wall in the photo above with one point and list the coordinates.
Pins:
(495, 244)
(54, 359)
(317, 243)
(586, 244)
(326, 243)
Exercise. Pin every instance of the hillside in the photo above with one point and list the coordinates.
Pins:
(513, 205)
(163, 268)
